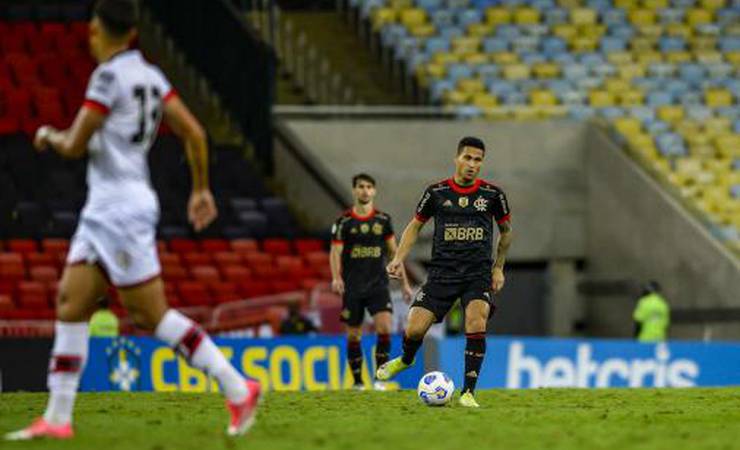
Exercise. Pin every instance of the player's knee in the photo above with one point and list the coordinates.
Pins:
(475, 324)
(415, 332)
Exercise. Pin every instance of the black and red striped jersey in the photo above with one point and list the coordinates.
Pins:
(464, 219)
(365, 250)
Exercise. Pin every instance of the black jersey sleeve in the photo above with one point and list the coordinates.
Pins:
(425, 209)
(500, 208)
(337, 231)
(388, 231)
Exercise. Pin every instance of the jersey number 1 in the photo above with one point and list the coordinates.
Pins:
(148, 119)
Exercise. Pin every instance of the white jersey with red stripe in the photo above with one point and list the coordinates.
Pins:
(117, 228)
(131, 93)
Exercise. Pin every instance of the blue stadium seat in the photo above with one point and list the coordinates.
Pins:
(553, 45)
(581, 112)
(692, 72)
(495, 45)
(644, 114)
(468, 112)
(556, 16)
(488, 72)
(525, 44)
(613, 18)
(437, 44)
(530, 58)
(671, 44)
(623, 31)
(438, 87)
(459, 71)
(392, 33)
(610, 44)
(698, 112)
(468, 17)
(443, 18)
(611, 112)
(691, 98)
(671, 144)
(572, 97)
(575, 71)
(429, 5)
(452, 32)
(671, 15)
(729, 43)
(659, 98)
(514, 98)
(501, 87)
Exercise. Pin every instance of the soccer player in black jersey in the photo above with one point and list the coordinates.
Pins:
(464, 209)
(362, 242)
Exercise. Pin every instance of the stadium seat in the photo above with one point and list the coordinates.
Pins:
(205, 274)
(194, 293)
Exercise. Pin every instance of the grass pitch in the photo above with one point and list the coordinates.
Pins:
(567, 419)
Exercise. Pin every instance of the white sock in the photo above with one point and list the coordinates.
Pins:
(68, 358)
(191, 341)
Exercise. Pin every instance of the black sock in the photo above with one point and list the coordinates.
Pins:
(382, 349)
(475, 351)
(354, 357)
(410, 347)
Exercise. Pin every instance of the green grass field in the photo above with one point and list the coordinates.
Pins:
(565, 419)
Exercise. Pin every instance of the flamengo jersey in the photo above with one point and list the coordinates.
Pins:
(131, 93)
(463, 228)
(365, 250)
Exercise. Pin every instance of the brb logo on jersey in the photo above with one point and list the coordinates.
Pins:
(455, 233)
(359, 251)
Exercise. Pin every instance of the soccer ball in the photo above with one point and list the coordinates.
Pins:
(435, 389)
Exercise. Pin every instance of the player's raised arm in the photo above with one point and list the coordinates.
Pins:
(72, 142)
(201, 206)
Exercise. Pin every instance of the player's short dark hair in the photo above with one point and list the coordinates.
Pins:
(470, 141)
(117, 16)
(362, 177)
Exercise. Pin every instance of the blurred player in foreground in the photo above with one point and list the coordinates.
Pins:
(115, 239)
(464, 209)
(362, 241)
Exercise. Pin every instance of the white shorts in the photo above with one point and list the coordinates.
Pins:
(122, 242)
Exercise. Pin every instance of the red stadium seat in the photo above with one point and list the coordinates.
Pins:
(161, 245)
(266, 273)
(6, 304)
(223, 292)
(22, 246)
(180, 245)
(11, 258)
(284, 286)
(258, 259)
(192, 259)
(303, 246)
(288, 263)
(9, 125)
(236, 273)
(173, 273)
(12, 271)
(205, 274)
(32, 294)
(317, 259)
(276, 246)
(244, 246)
(55, 245)
(224, 259)
(214, 245)
(169, 259)
(7, 287)
(40, 259)
(308, 284)
(194, 293)
(44, 274)
(250, 289)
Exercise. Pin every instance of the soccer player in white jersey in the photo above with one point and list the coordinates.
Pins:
(115, 241)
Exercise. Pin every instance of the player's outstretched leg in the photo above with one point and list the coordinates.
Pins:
(80, 287)
(476, 316)
(149, 309)
(420, 320)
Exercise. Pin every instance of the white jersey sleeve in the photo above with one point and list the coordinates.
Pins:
(102, 90)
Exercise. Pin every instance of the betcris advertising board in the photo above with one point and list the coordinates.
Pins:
(281, 364)
(536, 363)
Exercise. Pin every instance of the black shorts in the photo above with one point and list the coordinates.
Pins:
(439, 298)
(353, 306)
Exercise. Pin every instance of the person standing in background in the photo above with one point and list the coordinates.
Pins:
(652, 315)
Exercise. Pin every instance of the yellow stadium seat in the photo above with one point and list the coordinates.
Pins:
(733, 57)
(649, 57)
(526, 113)
(516, 72)
(382, 16)
(702, 151)
(630, 71)
(703, 43)
(626, 5)
(583, 16)
(484, 100)
(401, 4)
(642, 44)
(583, 44)
(471, 85)
(498, 16)
(445, 58)
(496, 113)
(654, 31)
(476, 58)
(678, 57)
(719, 165)
(712, 4)
(505, 57)
(465, 45)
(670, 113)
(716, 98)
(688, 165)
(616, 85)
(570, 4)
(600, 98)
(565, 32)
(642, 16)
(678, 30)
(619, 58)
(698, 16)
(728, 146)
(708, 57)
(412, 17)
(423, 31)
(455, 97)
(631, 97)
(542, 97)
(628, 126)
(717, 126)
(526, 16)
(436, 70)
(655, 4)
(593, 31)
(480, 30)
(546, 70)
